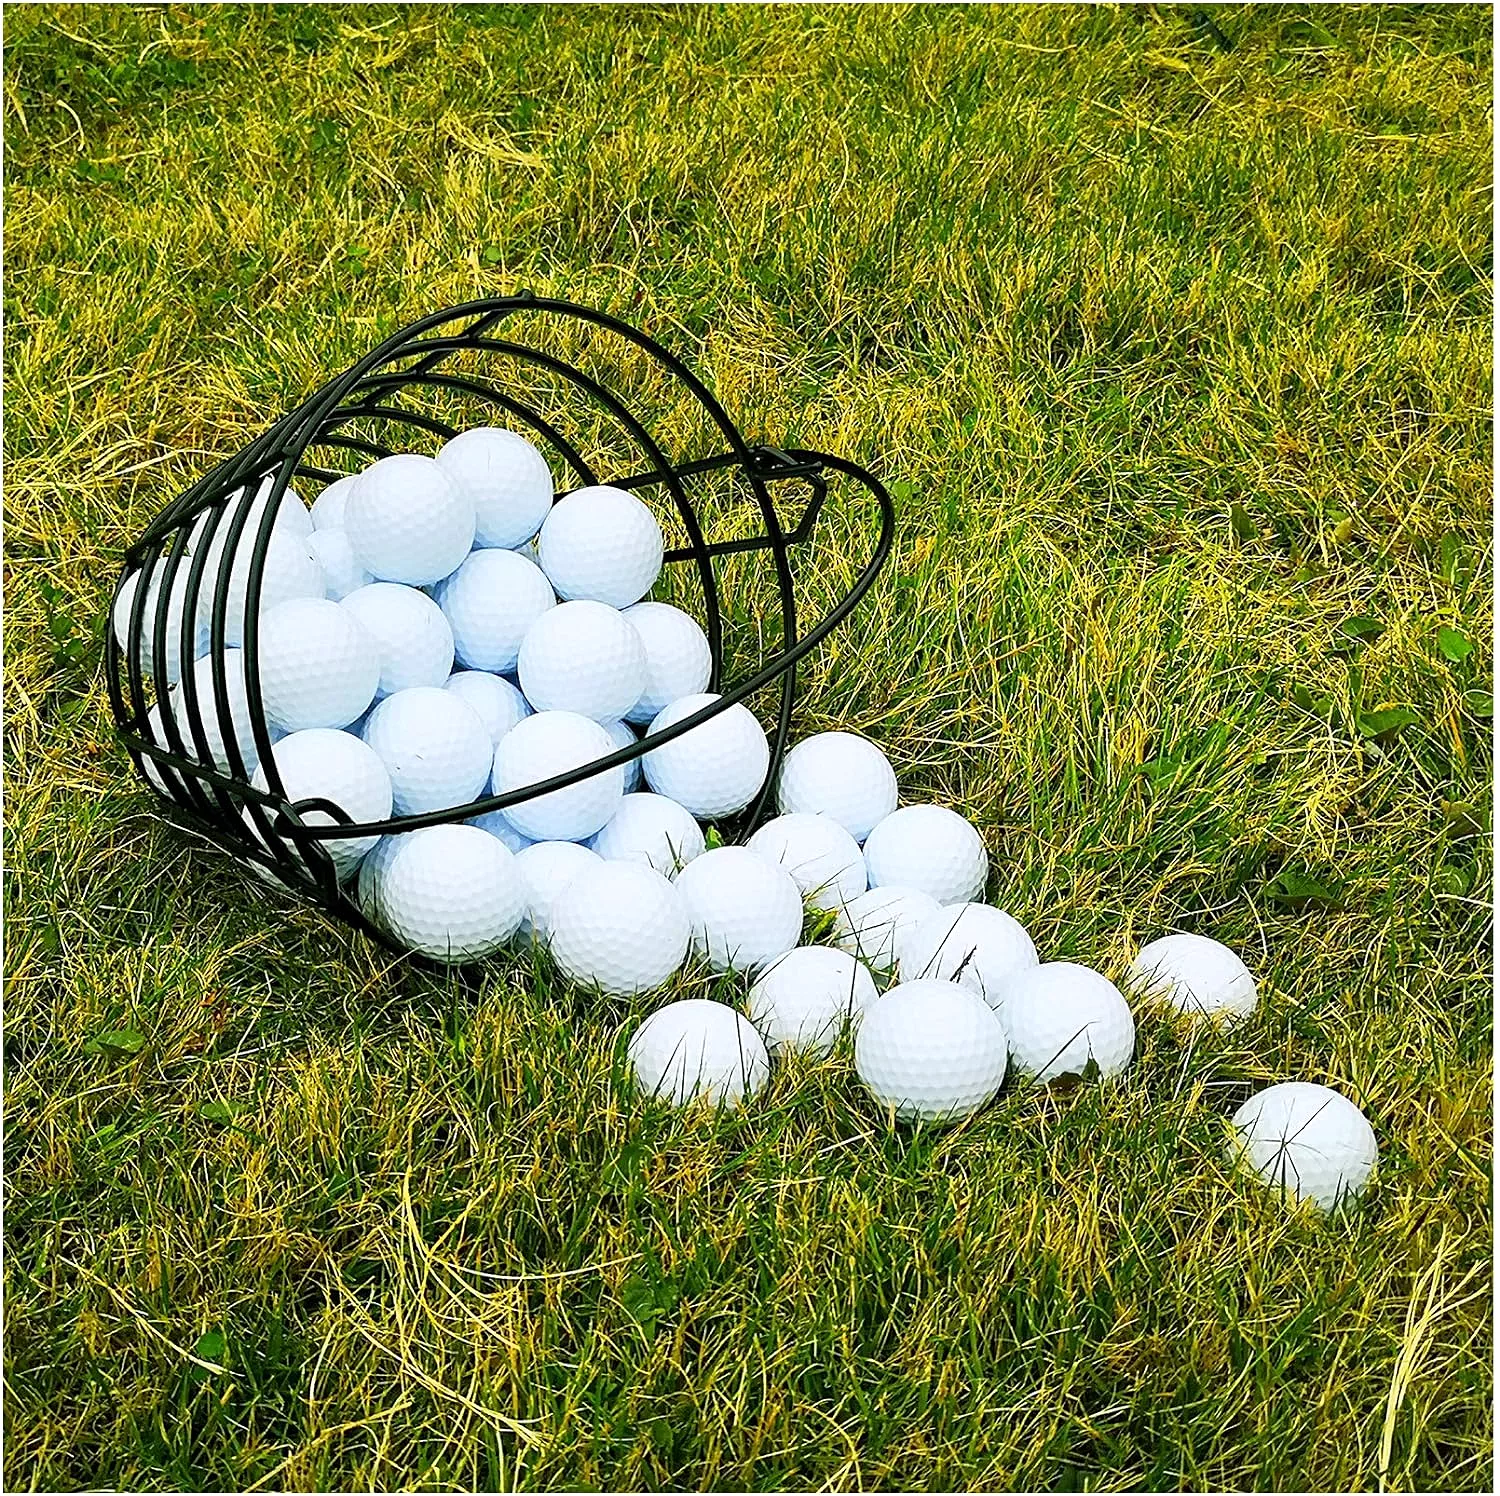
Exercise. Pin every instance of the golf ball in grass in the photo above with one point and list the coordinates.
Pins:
(838, 774)
(325, 764)
(546, 868)
(803, 999)
(176, 611)
(206, 708)
(290, 570)
(434, 746)
(506, 479)
(1307, 1140)
(550, 743)
(650, 829)
(408, 521)
(622, 735)
(1065, 1020)
(875, 925)
(744, 911)
(601, 543)
(451, 893)
(713, 769)
(411, 635)
(499, 704)
(620, 927)
(342, 573)
(319, 667)
(1194, 975)
(328, 507)
(697, 1048)
(823, 859)
(490, 602)
(582, 657)
(678, 662)
(928, 847)
(495, 823)
(972, 944)
(931, 1051)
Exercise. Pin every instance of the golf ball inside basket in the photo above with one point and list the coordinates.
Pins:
(413, 638)
(678, 662)
(620, 927)
(328, 507)
(699, 1048)
(176, 609)
(713, 769)
(744, 911)
(972, 944)
(581, 657)
(803, 999)
(319, 667)
(1307, 1140)
(823, 859)
(601, 543)
(875, 925)
(928, 847)
(650, 829)
(549, 743)
(1063, 1018)
(931, 1051)
(408, 521)
(290, 570)
(490, 602)
(451, 893)
(207, 703)
(342, 573)
(839, 774)
(495, 823)
(500, 705)
(432, 743)
(1195, 975)
(505, 478)
(622, 735)
(546, 868)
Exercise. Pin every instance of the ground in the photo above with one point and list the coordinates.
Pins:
(1170, 330)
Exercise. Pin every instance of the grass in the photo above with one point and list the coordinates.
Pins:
(1171, 328)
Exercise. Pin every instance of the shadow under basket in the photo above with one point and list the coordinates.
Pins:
(737, 518)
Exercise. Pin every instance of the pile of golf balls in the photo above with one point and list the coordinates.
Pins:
(442, 629)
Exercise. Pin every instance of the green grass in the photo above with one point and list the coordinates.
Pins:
(1174, 336)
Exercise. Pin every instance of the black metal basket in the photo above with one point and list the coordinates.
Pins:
(412, 389)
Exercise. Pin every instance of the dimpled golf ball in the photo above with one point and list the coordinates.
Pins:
(744, 911)
(328, 507)
(500, 705)
(319, 667)
(550, 743)
(1307, 1140)
(823, 859)
(495, 822)
(928, 847)
(650, 829)
(342, 573)
(451, 893)
(601, 543)
(1194, 975)
(930, 1051)
(490, 602)
(290, 570)
(326, 764)
(697, 1048)
(206, 708)
(620, 927)
(713, 769)
(413, 638)
(875, 925)
(1062, 1019)
(175, 613)
(546, 868)
(433, 746)
(622, 735)
(408, 521)
(678, 662)
(838, 774)
(582, 657)
(506, 479)
(972, 944)
(803, 999)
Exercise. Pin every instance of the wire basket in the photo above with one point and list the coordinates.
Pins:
(573, 380)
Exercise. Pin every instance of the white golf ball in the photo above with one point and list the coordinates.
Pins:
(582, 657)
(928, 847)
(550, 743)
(236, 697)
(699, 1048)
(290, 570)
(1063, 1018)
(650, 829)
(328, 507)
(678, 662)
(744, 911)
(176, 611)
(491, 601)
(408, 521)
(931, 1051)
(1194, 975)
(319, 667)
(434, 747)
(803, 999)
(546, 868)
(714, 769)
(601, 543)
(841, 775)
(506, 479)
(163, 777)
(875, 925)
(823, 859)
(622, 735)
(972, 944)
(325, 764)
(451, 893)
(620, 927)
(342, 573)
(410, 632)
(500, 705)
(1308, 1141)
(496, 824)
